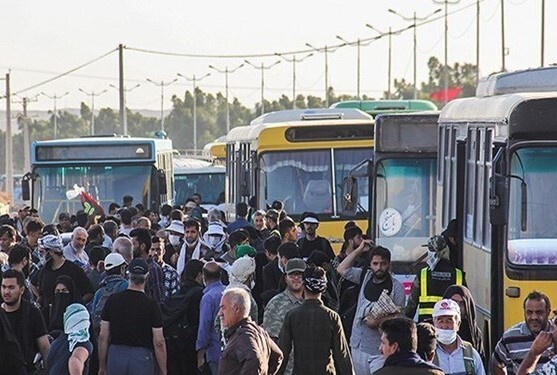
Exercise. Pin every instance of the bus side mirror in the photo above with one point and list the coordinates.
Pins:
(349, 196)
(498, 204)
(26, 187)
(161, 176)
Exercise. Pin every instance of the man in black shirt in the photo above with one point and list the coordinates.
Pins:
(311, 241)
(45, 279)
(132, 323)
(25, 319)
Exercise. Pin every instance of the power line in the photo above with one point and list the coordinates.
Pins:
(66, 73)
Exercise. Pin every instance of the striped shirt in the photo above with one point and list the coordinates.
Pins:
(513, 347)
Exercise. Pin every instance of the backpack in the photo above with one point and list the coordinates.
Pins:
(106, 291)
(349, 303)
(175, 323)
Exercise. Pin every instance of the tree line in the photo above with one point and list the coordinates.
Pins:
(211, 113)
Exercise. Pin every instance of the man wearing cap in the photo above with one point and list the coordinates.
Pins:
(132, 324)
(316, 351)
(432, 281)
(114, 282)
(279, 305)
(215, 239)
(22, 213)
(175, 237)
(311, 241)
(44, 281)
(453, 355)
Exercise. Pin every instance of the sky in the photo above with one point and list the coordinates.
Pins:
(41, 39)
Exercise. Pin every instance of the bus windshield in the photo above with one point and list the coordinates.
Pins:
(532, 233)
(405, 206)
(107, 184)
(209, 185)
(303, 179)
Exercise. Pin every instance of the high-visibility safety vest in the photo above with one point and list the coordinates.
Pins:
(431, 291)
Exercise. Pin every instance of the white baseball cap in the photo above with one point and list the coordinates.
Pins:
(113, 260)
(446, 307)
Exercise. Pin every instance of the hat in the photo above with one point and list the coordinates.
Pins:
(175, 226)
(245, 250)
(113, 260)
(138, 267)
(24, 207)
(215, 228)
(238, 236)
(446, 307)
(51, 242)
(311, 218)
(241, 269)
(64, 215)
(295, 265)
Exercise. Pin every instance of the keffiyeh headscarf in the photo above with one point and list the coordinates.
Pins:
(315, 285)
(76, 324)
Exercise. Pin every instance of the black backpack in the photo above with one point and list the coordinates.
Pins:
(175, 323)
(349, 303)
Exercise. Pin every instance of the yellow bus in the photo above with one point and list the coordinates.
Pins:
(300, 157)
(497, 176)
(217, 150)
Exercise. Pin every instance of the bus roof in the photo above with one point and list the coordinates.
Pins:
(374, 107)
(488, 109)
(311, 114)
(162, 144)
(322, 119)
(521, 81)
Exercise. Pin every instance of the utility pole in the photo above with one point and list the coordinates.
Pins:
(55, 98)
(358, 44)
(162, 84)
(92, 94)
(294, 60)
(414, 20)
(326, 51)
(9, 143)
(194, 80)
(226, 71)
(24, 122)
(123, 129)
(446, 4)
(262, 68)
(122, 91)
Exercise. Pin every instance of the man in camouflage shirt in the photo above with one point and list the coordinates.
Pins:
(279, 305)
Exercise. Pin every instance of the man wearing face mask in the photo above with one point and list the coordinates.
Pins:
(193, 247)
(432, 281)
(215, 239)
(175, 235)
(453, 355)
(242, 275)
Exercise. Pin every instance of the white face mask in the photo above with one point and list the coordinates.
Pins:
(445, 336)
(173, 239)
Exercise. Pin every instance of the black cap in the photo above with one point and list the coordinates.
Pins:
(138, 267)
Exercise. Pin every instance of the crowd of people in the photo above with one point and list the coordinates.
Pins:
(181, 291)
